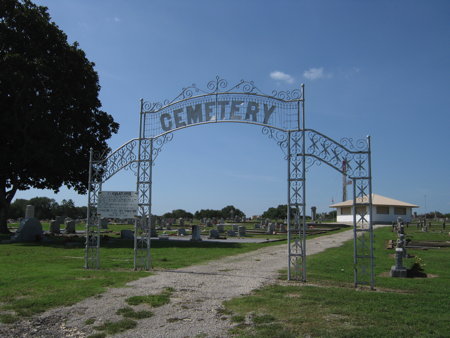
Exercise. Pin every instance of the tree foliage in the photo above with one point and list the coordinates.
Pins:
(46, 208)
(50, 113)
(178, 213)
(228, 212)
(279, 212)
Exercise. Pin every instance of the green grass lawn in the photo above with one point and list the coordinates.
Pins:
(37, 276)
(331, 307)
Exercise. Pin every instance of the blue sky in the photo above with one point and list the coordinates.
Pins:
(378, 68)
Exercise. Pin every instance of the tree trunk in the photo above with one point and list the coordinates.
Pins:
(5, 201)
(4, 208)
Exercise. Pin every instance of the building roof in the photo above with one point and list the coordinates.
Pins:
(376, 200)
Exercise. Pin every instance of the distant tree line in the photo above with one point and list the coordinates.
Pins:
(280, 212)
(226, 213)
(46, 208)
(434, 214)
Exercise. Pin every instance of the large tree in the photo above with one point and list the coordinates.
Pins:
(50, 114)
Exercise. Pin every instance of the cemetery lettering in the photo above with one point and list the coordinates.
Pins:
(226, 110)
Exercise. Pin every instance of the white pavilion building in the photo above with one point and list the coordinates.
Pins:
(385, 210)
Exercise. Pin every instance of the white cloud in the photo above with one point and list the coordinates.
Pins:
(315, 73)
(280, 76)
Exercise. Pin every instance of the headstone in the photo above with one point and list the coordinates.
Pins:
(181, 222)
(220, 228)
(257, 226)
(424, 225)
(270, 229)
(153, 232)
(313, 213)
(30, 230)
(70, 227)
(104, 223)
(222, 221)
(213, 234)
(55, 227)
(283, 228)
(241, 231)
(231, 233)
(182, 232)
(29, 211)
(209, 223)
(126, 234)
(235, 227)
(398, 270)
(60, 219)
(196, 233)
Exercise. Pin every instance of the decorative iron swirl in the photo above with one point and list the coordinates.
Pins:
(215, 85)
(287, 95)
(280, 137)
(358, 145)
(158, 143)
(220, 85)
(310, 161)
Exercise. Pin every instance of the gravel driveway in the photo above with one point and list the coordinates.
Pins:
(199, 293)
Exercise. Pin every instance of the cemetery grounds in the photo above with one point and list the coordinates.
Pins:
(40, 276)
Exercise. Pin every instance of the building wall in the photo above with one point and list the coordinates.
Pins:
(377, 218)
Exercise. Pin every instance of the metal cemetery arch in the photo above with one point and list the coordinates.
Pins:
(282, 118)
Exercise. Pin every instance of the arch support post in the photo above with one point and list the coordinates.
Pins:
(143, 224)
(92, 244)
(296, 218)
(363, 225)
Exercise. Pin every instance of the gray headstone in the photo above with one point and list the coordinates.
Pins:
(257, 226)
(29, 211)
(398, 270)
(196, 234)
(30, 230)
(241, 231)
(126, 234)
(283, 228)
(55, 227)
(153, 232)
(231, 233)
(270, 229)
(104, 223)
(213, 234)
(182, 232)
(313, 213)
(70, 227)
(235, 227)
(220, 228)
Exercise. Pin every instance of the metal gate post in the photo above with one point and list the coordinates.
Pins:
(92, 244)
(142, 231)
